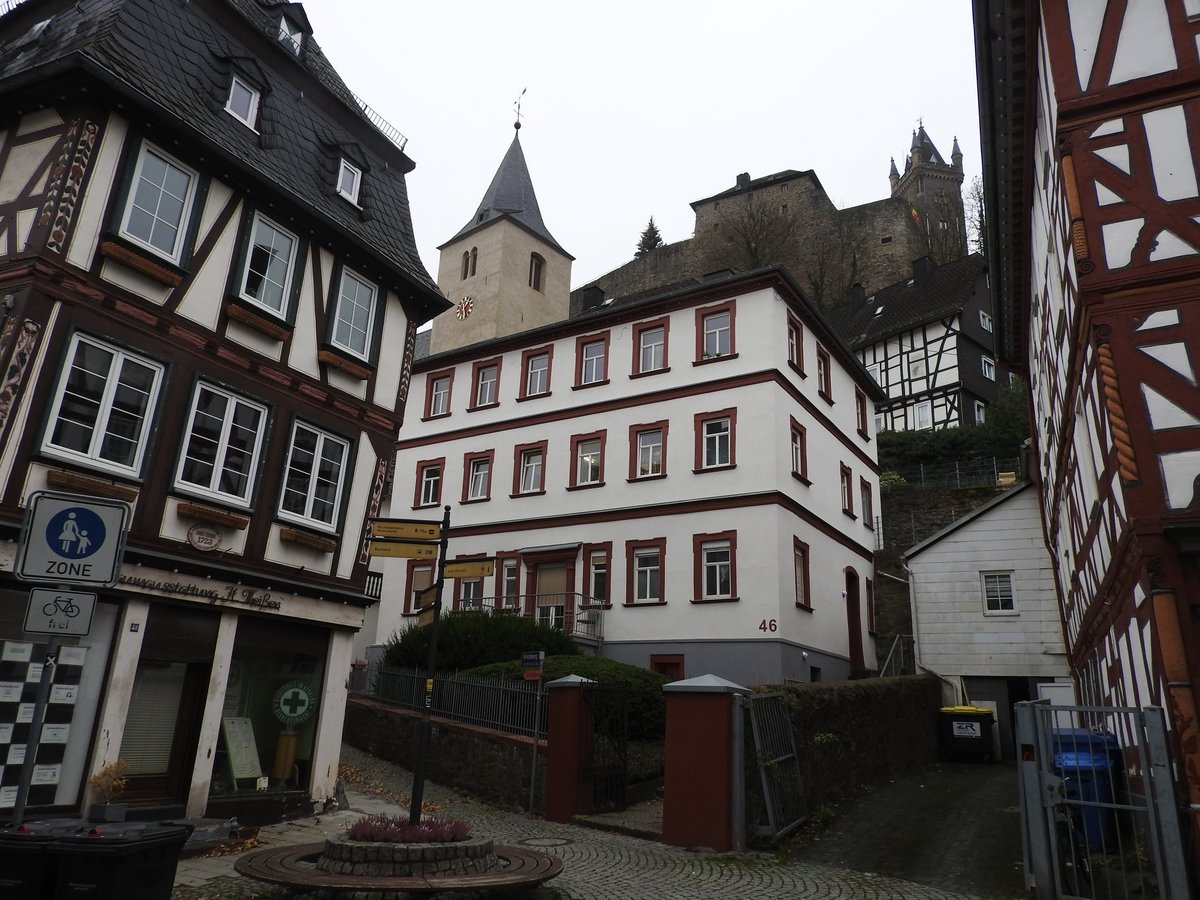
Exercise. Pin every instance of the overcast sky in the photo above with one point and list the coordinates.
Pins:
(634, 109)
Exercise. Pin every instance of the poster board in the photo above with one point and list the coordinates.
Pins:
(240, 747)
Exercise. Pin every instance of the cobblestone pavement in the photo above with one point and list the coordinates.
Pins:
(597, 865)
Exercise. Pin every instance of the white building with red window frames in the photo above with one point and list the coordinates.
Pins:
(686, 482)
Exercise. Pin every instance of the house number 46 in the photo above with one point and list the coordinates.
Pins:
(768, 625)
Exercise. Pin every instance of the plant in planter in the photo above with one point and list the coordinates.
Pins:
(436, 846)
(385, 829)
(108, 784)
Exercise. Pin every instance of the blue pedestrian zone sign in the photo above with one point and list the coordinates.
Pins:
(72, 540)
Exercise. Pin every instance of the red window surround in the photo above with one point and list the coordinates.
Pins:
(824, 375)
(698, 542)
(422, 466)
(700, 419)
(634, 450)
(604, 549)
(868, 505)
(800, 557)
(847, 479)
(584, 341)
(425, 569)
(799, 451)
(795, 336)
(664, 323)
(430, 380)
(476, 369)
(631, 548)
(519, 469)
(730, 307)
(860, 411)
(576, 440)
(468, 459)
(526, 356)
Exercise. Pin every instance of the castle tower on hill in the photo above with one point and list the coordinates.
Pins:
(933, 188)
(503, 271)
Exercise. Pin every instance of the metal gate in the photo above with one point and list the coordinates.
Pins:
(778, 766)
(604, 772)
(1099, 818)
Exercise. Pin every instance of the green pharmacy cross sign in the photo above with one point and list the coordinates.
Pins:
(295, 703)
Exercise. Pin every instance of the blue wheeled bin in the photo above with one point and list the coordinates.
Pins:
(1087, 762)
(102, 862)
(25, 867)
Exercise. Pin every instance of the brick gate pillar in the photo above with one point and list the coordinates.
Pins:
(564, 746)
(699, 762)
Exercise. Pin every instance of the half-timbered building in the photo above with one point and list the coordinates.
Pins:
(685, 482)
(928, 342)
(210, 292)
(1091, 124)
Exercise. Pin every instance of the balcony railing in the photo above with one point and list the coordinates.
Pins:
(574, 614)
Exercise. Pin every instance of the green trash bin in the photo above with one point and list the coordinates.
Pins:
(965, 732)
(102, 862)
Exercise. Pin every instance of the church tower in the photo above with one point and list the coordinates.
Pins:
(933, 189)
(503, 271)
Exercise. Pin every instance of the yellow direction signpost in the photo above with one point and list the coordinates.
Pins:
(471, 568)
(403, 550)
(405, 530)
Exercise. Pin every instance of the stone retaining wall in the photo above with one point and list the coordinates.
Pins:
(375, 858)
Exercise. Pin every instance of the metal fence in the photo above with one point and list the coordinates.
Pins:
(964, 473)
(514, 707)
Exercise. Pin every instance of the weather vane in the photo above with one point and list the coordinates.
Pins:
(517, 107)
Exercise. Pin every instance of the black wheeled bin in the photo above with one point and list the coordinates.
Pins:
(107, 862)
(965, 731)
(25, 869)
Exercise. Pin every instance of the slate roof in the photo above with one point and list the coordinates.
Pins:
(901, 306)
(755, 183)
(510, 195)
(929, 153)
(172, 61)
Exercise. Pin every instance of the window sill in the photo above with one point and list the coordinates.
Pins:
(533, 396)
(585, 487)
(703, 600)
(475, 500)
(708, 469)
(143, 261)
(796, 368)
(649, 372)
(803, 479)
(849, 515)
(1001, 612)
(84, 484)
(259, 322)
(358, 370)
(426, 505)
(211, 515)
(304, 539)
(659, 477)
(714, 359)
(537, 493)
(864, 435)
(804, 607)
(630, 604)
(824, 396)
(589, 384)
(435, 416)
(491, 405)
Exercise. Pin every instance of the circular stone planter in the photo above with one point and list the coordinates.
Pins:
(376, 859)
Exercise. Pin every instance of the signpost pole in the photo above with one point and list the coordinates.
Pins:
(418, 788)
(35, 730)
(537, 721)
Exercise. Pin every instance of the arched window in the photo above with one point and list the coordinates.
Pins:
(474, 258)
(466, 264)
(537, 266)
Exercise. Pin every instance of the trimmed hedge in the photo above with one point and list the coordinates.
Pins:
(642, 688)
(469, 639)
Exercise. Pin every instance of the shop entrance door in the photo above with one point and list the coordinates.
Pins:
(167, 704)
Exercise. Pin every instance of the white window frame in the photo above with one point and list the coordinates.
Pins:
(875, 370)
(651, 353)
(470, 595)
(324, 441)
(588, 461)
(718, 334)
(212, 488)
(880, 423)
(106, 409)
(716, 563)
(799, 452)
(593, 369)
(486, 386)
(980, 412)
(285, 288)
(717, 444)
(597, 576)
(351, 190)
(479, 482)
(249, 115)
(992, 589)
(988, 365)
(439, 400)
(647, 567)
(537, 378)
(510, 582)
(290, 35)
(174, 253)
(431, 484)
(923, 411)
(345, 320)
(646, 455)
(985, 321)
(532, 470)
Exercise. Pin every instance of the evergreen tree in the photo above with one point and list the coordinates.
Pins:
(649, 240)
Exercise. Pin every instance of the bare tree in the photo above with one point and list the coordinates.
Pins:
(976, 217)
(945, 229)
(828, 266)
(758, 233)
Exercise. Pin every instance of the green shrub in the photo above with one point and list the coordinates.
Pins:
(643, 689)
(469, 639)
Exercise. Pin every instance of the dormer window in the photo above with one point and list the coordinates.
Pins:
(243, 102)
(349, 181)
(290, 35)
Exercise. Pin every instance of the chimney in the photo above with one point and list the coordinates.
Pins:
(921, 269)
(743, 180)
(586, 299)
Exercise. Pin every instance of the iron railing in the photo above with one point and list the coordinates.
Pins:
(990, 471)
(514, 707)
(901, 659)
(576, 615)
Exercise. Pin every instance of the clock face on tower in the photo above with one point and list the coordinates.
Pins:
(465, 305)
